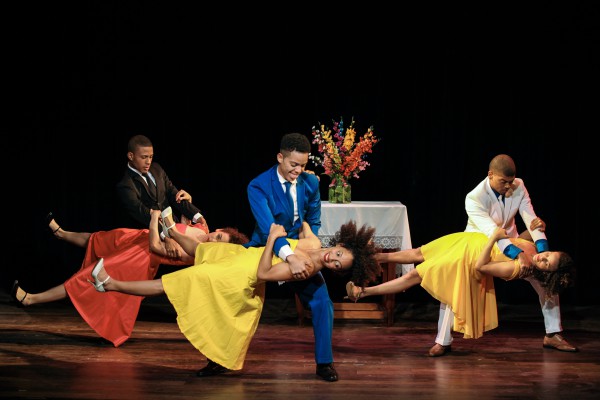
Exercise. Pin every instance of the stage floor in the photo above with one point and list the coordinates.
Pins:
(48, 352)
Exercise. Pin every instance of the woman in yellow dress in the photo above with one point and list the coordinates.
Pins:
(220, 298)
(458, 270)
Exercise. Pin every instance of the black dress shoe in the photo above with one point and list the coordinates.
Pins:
(327, 372)
(212, 368)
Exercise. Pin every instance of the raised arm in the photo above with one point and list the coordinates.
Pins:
(158, 247)
(188, 243)
(500, 269)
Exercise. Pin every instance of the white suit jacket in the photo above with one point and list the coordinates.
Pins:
(486, 212)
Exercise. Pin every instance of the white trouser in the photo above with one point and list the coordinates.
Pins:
(550, 310)
(550, 307)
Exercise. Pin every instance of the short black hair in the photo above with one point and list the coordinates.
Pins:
(294, 142)
(138, 141)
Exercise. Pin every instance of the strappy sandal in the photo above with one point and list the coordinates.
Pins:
(167, 212)
(98, 285)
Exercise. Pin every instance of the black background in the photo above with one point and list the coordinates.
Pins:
(445, 87)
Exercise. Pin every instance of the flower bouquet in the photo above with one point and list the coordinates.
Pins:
(341, 156)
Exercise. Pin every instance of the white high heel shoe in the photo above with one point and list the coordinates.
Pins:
(167, 212)
(98, 285)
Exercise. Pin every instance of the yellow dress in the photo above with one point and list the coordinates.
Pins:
(449, 275)
(219, 301)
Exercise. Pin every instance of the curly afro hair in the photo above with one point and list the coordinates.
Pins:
(554, 282)
(365, 268)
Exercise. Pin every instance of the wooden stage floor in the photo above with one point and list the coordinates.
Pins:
(48, 352)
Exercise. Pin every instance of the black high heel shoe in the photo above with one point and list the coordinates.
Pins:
(13, 294)
(49, 219)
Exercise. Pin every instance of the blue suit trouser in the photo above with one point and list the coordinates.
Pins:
(314, 296)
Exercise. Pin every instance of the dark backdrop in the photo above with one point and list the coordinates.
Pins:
(445, 89)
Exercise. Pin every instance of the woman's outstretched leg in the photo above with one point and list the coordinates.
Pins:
(408, 256)
(80, 239)
(28, 299)
(102, 280)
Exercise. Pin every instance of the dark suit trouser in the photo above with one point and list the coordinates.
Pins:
(314, 296)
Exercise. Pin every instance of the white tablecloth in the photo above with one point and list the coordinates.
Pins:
(389, 218)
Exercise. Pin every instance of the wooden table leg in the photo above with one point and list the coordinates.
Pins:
(389, 300)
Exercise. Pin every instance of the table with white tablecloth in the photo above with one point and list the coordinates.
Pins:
(392, 233)
(389, 218)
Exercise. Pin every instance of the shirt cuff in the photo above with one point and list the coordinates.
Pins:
(196, 218)
(542, 245)
(285, 252)
(512, 251)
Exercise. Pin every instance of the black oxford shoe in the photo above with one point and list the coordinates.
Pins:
(327, 372)
(212, 368)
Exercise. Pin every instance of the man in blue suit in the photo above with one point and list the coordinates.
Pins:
(268, 195)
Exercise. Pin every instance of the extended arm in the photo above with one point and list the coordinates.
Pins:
(535, 225)
(500, 269)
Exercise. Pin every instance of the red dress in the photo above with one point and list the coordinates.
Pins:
(127, 257)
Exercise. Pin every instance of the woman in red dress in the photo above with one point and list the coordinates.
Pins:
(137, 253)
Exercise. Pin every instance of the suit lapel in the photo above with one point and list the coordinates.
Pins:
(496, 209)
(279, 194)
(300, 196)
(150, 192)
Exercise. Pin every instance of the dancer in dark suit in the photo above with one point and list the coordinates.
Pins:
(145, 185)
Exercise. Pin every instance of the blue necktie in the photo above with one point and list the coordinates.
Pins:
(288, 194)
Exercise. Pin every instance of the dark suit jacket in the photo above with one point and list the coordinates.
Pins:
(268, 204)
(136, 198)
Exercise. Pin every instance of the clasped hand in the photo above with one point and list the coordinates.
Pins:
(296, 263)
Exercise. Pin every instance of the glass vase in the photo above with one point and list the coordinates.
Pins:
(340, 192)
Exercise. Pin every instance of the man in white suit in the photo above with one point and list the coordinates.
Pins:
(493, 203)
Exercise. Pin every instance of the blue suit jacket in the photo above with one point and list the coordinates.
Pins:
(268, 205)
